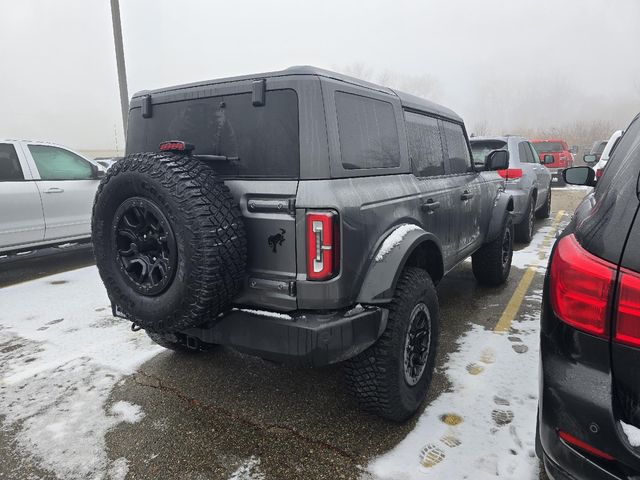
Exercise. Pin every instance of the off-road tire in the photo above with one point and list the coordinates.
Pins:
(209, 233)
(524, 230)
(488, 265)
(376, 377)
(178, 343)
(545, 210)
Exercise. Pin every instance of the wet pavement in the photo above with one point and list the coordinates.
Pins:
(222, 414)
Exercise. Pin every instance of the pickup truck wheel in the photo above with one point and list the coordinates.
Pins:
(169, 241)
(524, 229)
(391, 378)
(180, 343)
(545, 210)
(492, 263)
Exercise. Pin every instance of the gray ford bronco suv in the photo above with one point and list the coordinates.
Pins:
(302, 216)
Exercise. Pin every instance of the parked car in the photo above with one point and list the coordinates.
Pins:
(600, 162)
(589, 410)
(302, 216)
(46, 193)
(562, 156)
(106, 162)
(527, 180)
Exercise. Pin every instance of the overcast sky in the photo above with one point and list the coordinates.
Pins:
(509, 64)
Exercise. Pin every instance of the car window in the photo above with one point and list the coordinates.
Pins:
(458, 153)
(548, 147)
(368, 132)
(524, 152)
(622, 161)
(534, 153)
(10, 169)
(55, 163)
(481, 148)
(425, 144)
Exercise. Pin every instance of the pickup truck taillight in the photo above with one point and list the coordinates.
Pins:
(581, 288)
(323, 246)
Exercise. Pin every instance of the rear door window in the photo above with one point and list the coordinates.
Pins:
(458, 153)
(264, 138)
(368, 132)
(425, 144)
(10, 169)
(55, 163)
(524, 152)
(481, 148)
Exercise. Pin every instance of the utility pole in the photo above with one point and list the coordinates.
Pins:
(122, 72)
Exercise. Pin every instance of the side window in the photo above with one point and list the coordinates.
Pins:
(524, 151)
(534, 153)
(425, 145)
(368, 132)
(457, 149)
(10, 169)
(55, 163)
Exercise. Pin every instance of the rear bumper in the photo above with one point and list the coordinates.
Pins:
(303, 338)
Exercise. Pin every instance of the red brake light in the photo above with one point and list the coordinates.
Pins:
(176, 146)
(573, 441)
(580, 286)
(323, 256)
(511, 173)
(599, 172)
(628, 315)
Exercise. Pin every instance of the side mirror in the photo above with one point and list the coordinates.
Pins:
(580, 176)
(548, 159)
(590, 159)
(497, 160)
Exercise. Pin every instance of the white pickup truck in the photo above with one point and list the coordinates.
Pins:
(46, 195)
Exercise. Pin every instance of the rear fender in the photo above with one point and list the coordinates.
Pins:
(390, 257)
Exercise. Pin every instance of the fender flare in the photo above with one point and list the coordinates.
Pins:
(388, 261)
(502, 208)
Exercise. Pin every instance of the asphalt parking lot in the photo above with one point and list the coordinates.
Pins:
(221, 414)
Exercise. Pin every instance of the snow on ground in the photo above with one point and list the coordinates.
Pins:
(484, 427)
(61, 354)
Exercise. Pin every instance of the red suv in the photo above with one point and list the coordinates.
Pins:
(562, 156)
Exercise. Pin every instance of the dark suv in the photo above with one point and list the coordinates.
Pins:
(301, 216)
(589, 411)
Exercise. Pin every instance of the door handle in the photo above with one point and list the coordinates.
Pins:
(466, 195)
(54, 190)
(430, 206)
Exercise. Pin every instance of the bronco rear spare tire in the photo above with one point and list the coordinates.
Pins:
(169, 241)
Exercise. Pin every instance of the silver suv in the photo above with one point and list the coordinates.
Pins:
(528, 181)
(46, 193)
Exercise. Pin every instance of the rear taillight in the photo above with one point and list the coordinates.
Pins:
(599, 172)
(584, 446)
(580, 286)
(511, 173)
(628, 315)
(323, 255)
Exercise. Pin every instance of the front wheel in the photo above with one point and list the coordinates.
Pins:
(391, 378)
(492, 263)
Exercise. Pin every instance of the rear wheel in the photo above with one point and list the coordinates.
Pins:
(524, 229)
(391, 378)
(492, 263)
(545, 210)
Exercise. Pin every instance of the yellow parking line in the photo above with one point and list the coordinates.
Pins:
(513, 307)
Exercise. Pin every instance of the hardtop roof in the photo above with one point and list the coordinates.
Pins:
(407, 100)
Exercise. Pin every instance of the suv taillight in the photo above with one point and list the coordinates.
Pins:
(511, 173)
(580, 286)
(323, 246)
(628, 316)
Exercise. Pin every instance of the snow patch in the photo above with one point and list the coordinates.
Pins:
(248, 470)
(394, 240)
(127, 412)
(632, 433)
(265, 313)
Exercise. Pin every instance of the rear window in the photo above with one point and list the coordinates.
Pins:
(481, 148)
(548, 147)
(598, 147)
(368, 132)
(265, 138)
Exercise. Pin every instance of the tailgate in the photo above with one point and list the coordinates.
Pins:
(268, 208)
